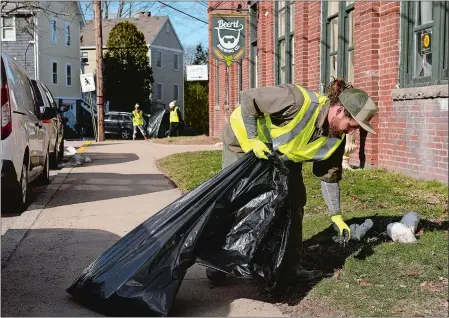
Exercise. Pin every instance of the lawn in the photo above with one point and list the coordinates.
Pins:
(375, 277)
(188, 140)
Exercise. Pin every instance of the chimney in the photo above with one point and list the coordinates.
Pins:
(145, 14)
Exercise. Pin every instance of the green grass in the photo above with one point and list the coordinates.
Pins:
(371, 278)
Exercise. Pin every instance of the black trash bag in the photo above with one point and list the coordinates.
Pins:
(237, 222)
(158, 124)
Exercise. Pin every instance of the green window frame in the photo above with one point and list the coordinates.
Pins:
(284, 41)
(253, 21)
(337, 38)
(423, 22)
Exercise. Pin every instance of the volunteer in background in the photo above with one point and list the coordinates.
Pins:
(137, 116)
(175, 120)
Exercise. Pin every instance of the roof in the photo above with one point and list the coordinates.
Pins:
(150, 26)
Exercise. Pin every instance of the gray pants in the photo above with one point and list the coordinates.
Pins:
(296, 196)
(141, 130)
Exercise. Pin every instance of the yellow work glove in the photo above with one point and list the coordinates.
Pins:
(259, 148)
(341, 227)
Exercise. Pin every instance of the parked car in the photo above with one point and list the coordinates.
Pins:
(120, 124)
(24, 142)
(51, 118)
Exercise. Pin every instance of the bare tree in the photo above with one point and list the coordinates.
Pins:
(122, 9)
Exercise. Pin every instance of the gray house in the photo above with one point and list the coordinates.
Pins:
(165, 53)
(47, 46)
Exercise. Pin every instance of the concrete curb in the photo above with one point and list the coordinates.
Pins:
(12, 239)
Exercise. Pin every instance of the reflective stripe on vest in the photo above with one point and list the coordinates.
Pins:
(174, 118)
(137, 118)
(292, 140)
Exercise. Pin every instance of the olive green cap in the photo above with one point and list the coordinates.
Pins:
(360, 106)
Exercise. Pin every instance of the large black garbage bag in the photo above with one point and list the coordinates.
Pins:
(237, 222)
(158, 124)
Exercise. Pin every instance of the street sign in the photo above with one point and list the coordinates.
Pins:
(87, 82)
(197, 73)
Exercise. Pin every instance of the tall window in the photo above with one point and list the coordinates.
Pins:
(424, 43)
(338, 41)
(54, 72)
(159, 59)
(253, 20)
(53, 30)
(8, 28)
(67, 34)
(176, 61)
(284, 41)
(159, 91)
(68, 74)
(175, 92)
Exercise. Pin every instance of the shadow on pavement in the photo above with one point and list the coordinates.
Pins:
(45, 263)
(101, 158)
(90, 187)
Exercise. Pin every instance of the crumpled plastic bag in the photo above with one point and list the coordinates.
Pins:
(237, 222)
(158, 124)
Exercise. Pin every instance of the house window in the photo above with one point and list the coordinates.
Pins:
(85, 57)
(337, 41)
(284, 41)
(55, 72)
(68, 74)
(53, 30)
(8, 28)
(176, 61)
(159, 91)
(67, 34)
(159, 59)
(253, 20)
(175, 92)
(424, 43)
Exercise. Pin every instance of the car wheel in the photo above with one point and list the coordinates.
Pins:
(54, 156)
(125, 134)
(45, 177)
(22, 191)
(61, 151)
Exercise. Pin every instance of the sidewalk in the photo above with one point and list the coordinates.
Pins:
(93, 206)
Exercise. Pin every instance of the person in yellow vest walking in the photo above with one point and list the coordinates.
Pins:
(300, 126)
(137, 115)
(175, 120)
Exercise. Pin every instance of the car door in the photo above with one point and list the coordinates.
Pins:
(114, 122)
(57, 121)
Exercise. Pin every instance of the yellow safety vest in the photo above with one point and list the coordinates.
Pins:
(291, 140)
(137, 118)
(174, 118)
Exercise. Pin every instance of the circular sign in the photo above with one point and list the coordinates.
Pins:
(426, 40)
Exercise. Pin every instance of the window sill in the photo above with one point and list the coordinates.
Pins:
(435, 91)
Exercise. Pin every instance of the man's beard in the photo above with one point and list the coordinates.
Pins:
(333, 129)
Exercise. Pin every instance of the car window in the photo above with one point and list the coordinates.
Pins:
(49, 95)
(114, 117)
(37, 93)
(125, 118)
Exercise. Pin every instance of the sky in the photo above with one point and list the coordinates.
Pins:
(190, 31)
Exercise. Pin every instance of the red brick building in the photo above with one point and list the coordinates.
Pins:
(396, 51)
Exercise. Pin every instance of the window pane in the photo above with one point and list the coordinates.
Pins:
(292, 17)
(351, 28)
(423, 12)
(444, 29)
(175, 57)
(55, 67)
(281, 24)
(8, 33)
(8, 22)
(334, 35)
(423, 54)
(282, 62)
(292, 45)
(351, 67)
(349, 2)
(333, 67)
(69, 70)
(175, 92)
(281, 4)
(332, 7)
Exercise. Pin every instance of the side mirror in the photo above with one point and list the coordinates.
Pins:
(63, 109)
(49, 113)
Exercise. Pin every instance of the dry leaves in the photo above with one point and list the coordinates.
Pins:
(364, 283)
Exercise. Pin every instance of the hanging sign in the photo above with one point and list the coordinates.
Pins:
(228, 37)
(426, 42)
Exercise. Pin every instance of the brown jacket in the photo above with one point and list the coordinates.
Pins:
(282, 103)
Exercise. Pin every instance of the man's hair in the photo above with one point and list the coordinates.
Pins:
(334, 89)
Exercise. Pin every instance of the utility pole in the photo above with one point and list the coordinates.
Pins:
(99, 51)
